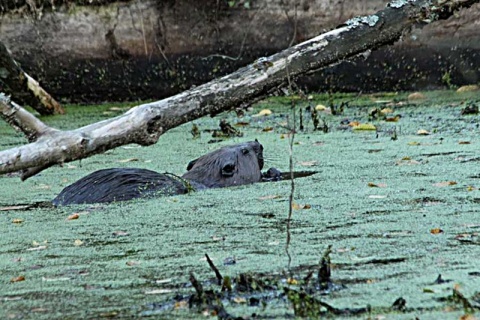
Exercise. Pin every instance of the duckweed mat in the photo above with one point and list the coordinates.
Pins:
(399, 205)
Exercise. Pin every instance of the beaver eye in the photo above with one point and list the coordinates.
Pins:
(245, 151)
(228, 170)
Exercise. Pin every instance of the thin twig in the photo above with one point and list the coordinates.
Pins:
(292, 183)
(212, 266)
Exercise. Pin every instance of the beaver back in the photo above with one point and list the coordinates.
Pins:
(120, 184)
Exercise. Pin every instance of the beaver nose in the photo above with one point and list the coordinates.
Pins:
(228, 169)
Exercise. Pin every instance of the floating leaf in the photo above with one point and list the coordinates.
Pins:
(436, 231)
(471, 188)
(181, 304)
(18, 221)
(22, 207)
(463, 142)
(445, 184)
(416, 96)
(413, 143)
(55, 279)
(77, 243)
(73, 216)
(17, 279)
(297, 206)
(468, 88)
(354, 123)
(162, 281)
(428, 290)
(118, 108)
(120, 233)
(267, 129)
(292, 281)
(423, 132)
(159, 291)
(365, 127)
(37, 248)
(239, 300)
(242, 124)
(132, 263)
(320, 107)
(270, 197)
(129, 160)
(264, 112)
(308, 163)
(386, 111)
(393, 119)
(376, 185)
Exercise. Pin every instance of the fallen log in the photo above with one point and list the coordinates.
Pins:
(144, 124)
(23, 88)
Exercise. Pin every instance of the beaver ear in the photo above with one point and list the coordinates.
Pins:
(228, 169)
(191, 164)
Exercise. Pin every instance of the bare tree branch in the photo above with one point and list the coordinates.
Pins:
(144, 124)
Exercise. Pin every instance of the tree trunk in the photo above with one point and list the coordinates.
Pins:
(144, 124)
(23, 88)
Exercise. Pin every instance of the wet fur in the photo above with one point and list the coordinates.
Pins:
(229, 166)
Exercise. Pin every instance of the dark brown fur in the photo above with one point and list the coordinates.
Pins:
(234, 165)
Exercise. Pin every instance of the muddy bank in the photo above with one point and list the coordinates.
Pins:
(149, 50)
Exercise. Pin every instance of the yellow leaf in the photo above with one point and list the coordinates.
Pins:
(445, 184)
(414, 143)
(77, 243)
(264, 112)
(73, 216)
(354, 123)
(17, 279)
(365, 127)
(394, 119)
(436, 231)
(292, 281)
(423, 132)
(17, 221)
(181, 304)
(468, 88)
(416, 96)
(240, 300)
(386, 111)
(320, 107)
(297, 206)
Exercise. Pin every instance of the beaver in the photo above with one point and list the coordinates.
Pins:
(234, 165)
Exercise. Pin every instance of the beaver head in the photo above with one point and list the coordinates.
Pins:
(229, 166)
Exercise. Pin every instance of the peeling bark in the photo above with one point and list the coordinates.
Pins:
(144, 124)
(23, 88)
